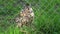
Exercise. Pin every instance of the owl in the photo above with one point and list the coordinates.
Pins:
(26, 16)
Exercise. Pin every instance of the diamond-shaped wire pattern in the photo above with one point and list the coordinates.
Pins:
(46, 19)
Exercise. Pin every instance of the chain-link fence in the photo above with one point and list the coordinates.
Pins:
(46, 21)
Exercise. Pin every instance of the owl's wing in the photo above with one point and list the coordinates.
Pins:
(31, 12)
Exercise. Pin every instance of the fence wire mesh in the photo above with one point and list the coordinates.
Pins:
(46, 20)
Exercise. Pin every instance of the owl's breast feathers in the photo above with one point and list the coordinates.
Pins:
(26, 16)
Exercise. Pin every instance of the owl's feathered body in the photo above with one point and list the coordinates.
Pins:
(26, 17)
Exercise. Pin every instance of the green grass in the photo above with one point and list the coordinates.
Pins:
(47, 16)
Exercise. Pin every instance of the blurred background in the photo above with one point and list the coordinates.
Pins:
(46, 20)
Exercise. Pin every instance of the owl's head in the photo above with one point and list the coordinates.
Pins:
(27, 6)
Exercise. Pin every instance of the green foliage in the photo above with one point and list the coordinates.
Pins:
(47, 16)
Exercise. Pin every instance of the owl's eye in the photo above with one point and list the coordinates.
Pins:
(28, 8)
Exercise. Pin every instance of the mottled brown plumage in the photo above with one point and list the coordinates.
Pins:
(25, 17)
